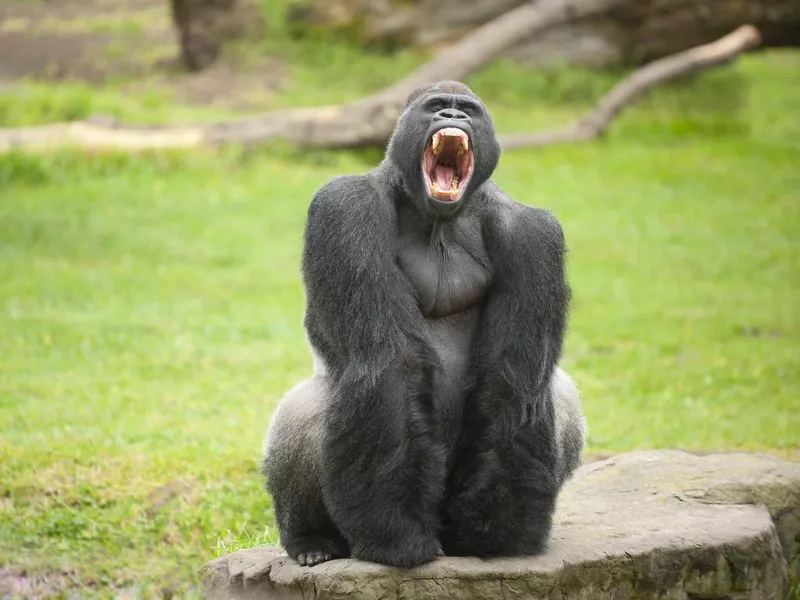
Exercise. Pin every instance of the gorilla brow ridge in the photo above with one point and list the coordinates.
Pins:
(441, 87)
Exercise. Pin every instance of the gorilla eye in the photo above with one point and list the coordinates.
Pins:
(434, 105)
(472, 109)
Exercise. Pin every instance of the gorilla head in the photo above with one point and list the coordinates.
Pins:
(445, 147)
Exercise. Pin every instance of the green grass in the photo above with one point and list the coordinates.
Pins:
(150, 307)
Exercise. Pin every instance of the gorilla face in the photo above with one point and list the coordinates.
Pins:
(445, 146)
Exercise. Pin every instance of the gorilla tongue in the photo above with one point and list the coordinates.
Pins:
(444, 176)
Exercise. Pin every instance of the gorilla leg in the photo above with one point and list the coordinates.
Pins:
(570, 425)
(292, 468)
(502, 490)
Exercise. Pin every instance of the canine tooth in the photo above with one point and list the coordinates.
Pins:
(463, 145)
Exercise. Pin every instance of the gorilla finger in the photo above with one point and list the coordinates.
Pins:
(301, 559)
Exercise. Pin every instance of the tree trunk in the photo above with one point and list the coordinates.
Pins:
(203, 25)
(632, 32)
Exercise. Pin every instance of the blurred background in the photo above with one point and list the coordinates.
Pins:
(151, 302)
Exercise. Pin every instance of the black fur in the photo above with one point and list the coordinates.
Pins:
(502, 490)
(391, 489)
(383, 472)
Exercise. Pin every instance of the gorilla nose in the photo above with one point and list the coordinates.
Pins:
(451, 114)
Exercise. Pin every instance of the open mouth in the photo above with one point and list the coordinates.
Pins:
(447, 164)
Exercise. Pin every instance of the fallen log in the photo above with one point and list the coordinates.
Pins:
(369, 121)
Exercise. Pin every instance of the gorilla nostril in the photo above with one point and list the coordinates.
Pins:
(452, 114)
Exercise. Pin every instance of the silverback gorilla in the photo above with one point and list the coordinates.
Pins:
(437, 419)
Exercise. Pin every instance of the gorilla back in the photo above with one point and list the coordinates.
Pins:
(437, 418)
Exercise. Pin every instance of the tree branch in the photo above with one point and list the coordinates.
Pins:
(596, 123)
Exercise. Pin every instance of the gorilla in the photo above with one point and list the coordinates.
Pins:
(436, 420)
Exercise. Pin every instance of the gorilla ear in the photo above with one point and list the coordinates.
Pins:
(440, 87)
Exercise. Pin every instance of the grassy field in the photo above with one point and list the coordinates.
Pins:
(150, 307)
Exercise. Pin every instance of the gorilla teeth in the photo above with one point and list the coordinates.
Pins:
(452, 192)
(438, 141)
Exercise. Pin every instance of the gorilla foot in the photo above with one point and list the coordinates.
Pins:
(313, 557)
(310, 550)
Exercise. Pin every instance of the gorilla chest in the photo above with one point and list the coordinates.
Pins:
(447, 265)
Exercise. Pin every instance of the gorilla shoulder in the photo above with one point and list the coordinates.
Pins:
(349, 203)
(344, 193)
(516, 221)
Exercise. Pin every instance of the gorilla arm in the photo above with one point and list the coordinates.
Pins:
(524, 320)
(503, 488)
(382, 471)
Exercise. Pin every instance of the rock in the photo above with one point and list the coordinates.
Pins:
(655, 524)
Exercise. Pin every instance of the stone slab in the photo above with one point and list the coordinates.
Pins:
(645, 525)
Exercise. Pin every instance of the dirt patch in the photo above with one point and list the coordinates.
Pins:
(51, 57)
(19, 584)
(131, 42)
(223, 85)
(83, 41)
